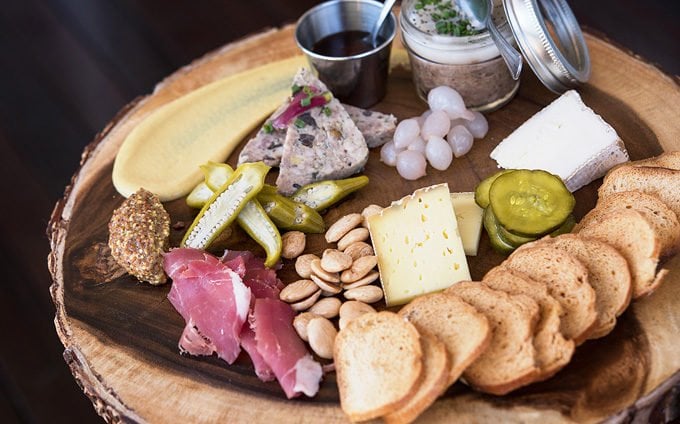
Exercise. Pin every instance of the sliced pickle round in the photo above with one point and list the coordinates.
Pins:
(530, 203)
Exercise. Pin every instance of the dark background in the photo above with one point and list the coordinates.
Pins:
(67, 66)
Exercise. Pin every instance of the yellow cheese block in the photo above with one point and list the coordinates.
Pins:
(163, 153)
(469, 216)
(418, 245)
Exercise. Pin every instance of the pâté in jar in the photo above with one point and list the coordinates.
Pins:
(446, 47)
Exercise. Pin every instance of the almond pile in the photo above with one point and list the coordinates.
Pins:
(349, 269)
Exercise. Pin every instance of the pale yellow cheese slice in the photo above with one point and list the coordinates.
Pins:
(469, 216)
(163, 153)
(418, 246)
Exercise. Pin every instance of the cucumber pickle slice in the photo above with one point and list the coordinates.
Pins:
(482, 190)
(530, 203)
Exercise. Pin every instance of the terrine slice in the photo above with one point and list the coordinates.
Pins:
(328, 146)
(267, 145)
(377, 127)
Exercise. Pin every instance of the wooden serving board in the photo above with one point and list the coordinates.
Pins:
(120, 336)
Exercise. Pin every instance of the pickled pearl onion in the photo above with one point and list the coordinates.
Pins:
(411, 164)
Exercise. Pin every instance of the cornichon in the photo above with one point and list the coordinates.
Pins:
(225, 204)
(482, 190)
(290, 215)
(254, 220)
(530, 202)
(323, 194)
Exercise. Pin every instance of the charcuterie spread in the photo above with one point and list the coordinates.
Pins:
(389, 304)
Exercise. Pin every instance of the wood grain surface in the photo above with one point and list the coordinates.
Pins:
(121, 336)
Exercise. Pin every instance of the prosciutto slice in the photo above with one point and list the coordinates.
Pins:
(212, 299)
(283, 350)
(217, 296)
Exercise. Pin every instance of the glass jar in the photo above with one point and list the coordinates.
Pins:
(471, 64)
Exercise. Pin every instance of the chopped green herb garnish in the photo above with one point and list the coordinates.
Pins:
(268, 128)
(295, 89)
(304, 102)
(326, 111)
(299, 123)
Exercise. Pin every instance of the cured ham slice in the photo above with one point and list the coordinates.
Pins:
(261, 280)
(212, 299)
(217, 296)
(283, 350)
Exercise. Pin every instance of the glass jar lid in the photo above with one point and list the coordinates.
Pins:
(551, 41)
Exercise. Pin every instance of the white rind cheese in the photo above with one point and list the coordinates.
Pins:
(418, 245)
(566, 138)
(469, 216)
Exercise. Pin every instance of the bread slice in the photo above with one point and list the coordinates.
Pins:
(553, 350)
(660, 182)
(435, 379)
(670, 160)
(566, 279)
(378, 362)
(662, 218)
(634, 237)
(608, 274)
(464, 331)
(510, 360)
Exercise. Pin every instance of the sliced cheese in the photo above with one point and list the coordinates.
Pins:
(163, 153)
(469, 216)
(418, 246)
(566, 138)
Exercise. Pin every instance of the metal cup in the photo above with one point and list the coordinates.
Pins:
(361, 79)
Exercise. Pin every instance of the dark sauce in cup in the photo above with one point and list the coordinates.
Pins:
(345, 43)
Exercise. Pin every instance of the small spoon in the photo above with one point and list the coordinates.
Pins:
(480, 10)
(387, 7)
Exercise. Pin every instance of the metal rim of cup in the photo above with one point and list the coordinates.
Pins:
(335, 3)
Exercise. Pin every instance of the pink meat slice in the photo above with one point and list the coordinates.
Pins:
(176, 260)
(211, 298)
(262, 369)
(262, 281)
(283, 350)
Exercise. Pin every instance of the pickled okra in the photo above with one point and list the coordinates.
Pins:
(286, 214)
(290, 215)
(254, 220)
(323, 194)
(199, 195)
(225, 204)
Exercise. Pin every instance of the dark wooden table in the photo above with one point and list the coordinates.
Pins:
(66, 67)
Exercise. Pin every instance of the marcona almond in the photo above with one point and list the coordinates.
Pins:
(327, 307)
(334, 260)
(342, 226)
(357, 234)
(352, 309)
(325, 285)
(332, 277)
(293, 244)
(302, 264)
(321, 336)
(359, 249)
(366, 294)
(300, 324)
(359, 269)
(368, 211)
(368, 279)
(307, 303)
(298, 290)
